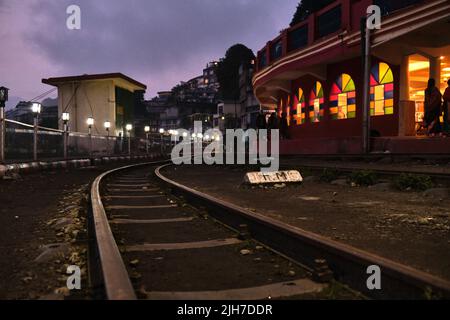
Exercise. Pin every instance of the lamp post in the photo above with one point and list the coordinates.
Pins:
(147, 133)
(36, 109)
(107, 126)
(3, 99)
(90, 122)
(175, 135)
(129, 127)
(366, 45)
(161, 132)
(65, 119)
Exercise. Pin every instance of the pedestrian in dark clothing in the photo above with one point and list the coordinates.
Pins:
(445, 106)
(284, 127)
(273, 122)
(261, 122)
(433, 104)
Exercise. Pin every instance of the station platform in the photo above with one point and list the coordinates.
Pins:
(353, 145)
(412, 230)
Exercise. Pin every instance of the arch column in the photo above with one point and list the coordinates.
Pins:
(435, 69)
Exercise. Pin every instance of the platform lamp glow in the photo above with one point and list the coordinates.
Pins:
(36, 109)
(3, 100)
(90, 122)
(65, 119)
(147, 134)
(129, 127)
(107, 126)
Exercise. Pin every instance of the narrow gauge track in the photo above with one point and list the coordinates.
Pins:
(165, 249)
(151, 245)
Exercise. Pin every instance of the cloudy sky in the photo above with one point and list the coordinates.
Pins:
(157, 42)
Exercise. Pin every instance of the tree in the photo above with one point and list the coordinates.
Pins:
(306, 7)
(228, 70)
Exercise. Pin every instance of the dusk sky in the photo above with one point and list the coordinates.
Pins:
(157, 42)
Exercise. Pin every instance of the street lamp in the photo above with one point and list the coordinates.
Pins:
(147, 133)
(90, 122)
(3, 99)
(107, 126)
(129, 127)
(36, 109)
(65, 119)
(3, 96)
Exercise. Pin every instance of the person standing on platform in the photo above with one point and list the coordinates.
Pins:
(445, 106)
(274, 123)
(433, 104)
(284, 127)
(261, 122)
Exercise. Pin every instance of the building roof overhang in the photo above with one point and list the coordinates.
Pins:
(118, 77)
(422, 25)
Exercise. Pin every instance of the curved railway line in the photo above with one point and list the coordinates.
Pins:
(154, 238)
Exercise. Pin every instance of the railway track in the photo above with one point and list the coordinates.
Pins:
(157, 239)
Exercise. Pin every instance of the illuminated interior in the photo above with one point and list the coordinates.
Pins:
(445, 72)
(419, 73)
(316, 102)
(381, 90)
(343, 98)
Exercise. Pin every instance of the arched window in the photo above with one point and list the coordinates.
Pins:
(316, 100)
(300, 111)
(280, 108)
(288, 110)
(381, 90)
(343, 98)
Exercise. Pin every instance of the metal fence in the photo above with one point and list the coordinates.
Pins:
(24, 142)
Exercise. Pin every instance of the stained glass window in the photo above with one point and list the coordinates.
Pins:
(343, 98)
(316, 101)
(300, 110)
(381, 90)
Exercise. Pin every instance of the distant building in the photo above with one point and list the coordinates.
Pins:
(250, 106)
(105, 97)
(187, 102)
(228, 115)
(210, 75)
(22, 113)
(48, 117)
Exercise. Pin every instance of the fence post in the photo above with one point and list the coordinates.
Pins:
(65, 140)
(2, 134)
(129, 144)
(90, 142)
(35, 138)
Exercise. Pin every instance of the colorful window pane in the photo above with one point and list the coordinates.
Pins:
(381, 90)
(316, 102)
(300, 110)
(288, 110)
(343, 98)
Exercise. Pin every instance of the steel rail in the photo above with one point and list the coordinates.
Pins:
(349, 264)
(114, 275)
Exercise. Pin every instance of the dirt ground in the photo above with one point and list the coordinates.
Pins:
(403, 226)
(42, 232)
